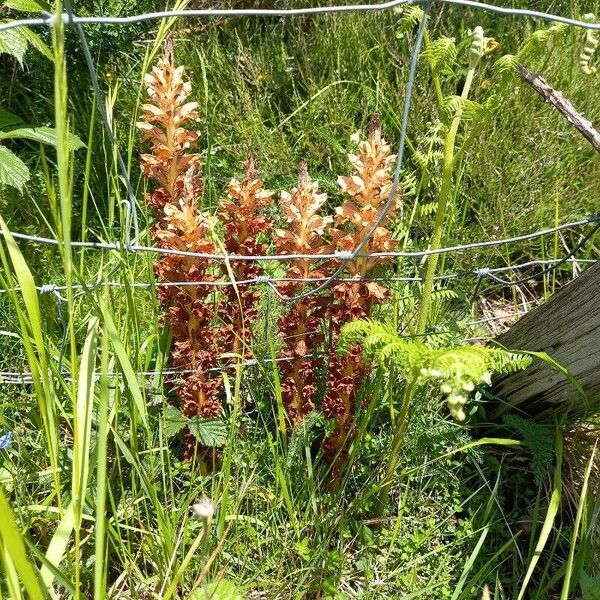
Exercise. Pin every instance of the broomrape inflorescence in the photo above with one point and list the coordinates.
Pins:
(241, 215)
(367, 190)
(181, 226)
(301, 326)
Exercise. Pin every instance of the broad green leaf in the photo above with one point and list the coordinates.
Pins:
(589, 586)
(14, 42)
(27, 5)
(12, 541)
(209, 432)
(218, 590)
(44, 135)
(13, 171)
(174, 421)
(8, 119)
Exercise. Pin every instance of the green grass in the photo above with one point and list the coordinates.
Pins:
(97, 498)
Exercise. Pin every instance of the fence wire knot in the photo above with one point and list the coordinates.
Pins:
(483, 272)
(48, 287)
(345, 254)
(50, 18)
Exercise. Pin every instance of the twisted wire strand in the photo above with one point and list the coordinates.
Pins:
(48, 19)
(593, 219)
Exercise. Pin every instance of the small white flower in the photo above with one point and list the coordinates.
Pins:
(446, 388)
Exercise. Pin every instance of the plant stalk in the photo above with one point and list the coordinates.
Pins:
(397, 442)
(440, 217)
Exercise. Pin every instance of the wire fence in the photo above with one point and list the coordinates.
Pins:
(131, 243)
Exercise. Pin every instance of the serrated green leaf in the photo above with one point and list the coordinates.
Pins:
(44, 135)
(13, 171)
(209, 432)
(36, 41)
(14, 42)
(174, 421)
(8, 119)
(441, 54)
(468, 109)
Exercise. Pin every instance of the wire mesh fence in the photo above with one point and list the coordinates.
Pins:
(131, 244)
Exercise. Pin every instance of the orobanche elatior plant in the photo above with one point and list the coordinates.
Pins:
(206, 325)
(366, 191)
(243, 222)
(180, 225)
(302, 325)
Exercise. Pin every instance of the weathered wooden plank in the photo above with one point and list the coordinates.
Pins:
(567, 327)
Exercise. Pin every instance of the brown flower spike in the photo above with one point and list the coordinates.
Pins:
(241, 216)
(367, 190)
(180, 225)
(301, 326)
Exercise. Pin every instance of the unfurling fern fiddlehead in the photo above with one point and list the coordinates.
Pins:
(591, 44)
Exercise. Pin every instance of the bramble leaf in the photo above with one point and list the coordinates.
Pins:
(13, 171)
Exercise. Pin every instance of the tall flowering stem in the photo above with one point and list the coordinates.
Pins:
(301, 326)
(366, 190)
(241, 215)
(181, 225)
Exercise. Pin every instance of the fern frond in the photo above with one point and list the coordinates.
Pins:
(410, 16)
(540, 441)
(469, 109)
(506, 64)
(441, 54)
(457, 369)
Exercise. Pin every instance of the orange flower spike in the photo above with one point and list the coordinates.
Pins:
(164, 119)
(241, 209)
(241, 215)
(306, 227)
(301, 326)
(368, 189)
(181, 226)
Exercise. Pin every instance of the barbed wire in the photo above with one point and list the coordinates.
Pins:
(266, 280)
(340, 255)
(26, 377)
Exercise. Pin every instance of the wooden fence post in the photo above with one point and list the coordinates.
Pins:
(567, 328)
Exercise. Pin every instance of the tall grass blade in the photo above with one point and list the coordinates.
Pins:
(13, 548)
(575, 534)
(550, 516)
(57, 548)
